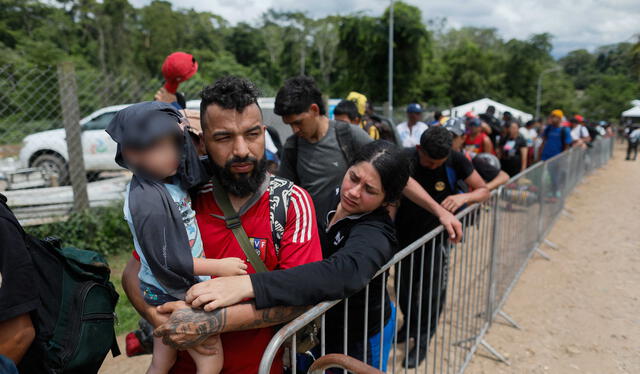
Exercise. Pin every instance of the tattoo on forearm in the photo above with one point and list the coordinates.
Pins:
(275, 316)
(196, 325)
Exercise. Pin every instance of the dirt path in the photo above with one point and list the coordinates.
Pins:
(580, 313)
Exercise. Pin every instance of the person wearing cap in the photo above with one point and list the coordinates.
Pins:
(489, 167)
(411, 130)
(477, 140)
(555, 138)
(176, 68)
(579, 132)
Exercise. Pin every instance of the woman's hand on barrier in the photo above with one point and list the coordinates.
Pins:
(452, 225)
(220, 292)
(454, 202)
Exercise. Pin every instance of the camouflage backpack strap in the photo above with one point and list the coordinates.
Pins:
(279, 197)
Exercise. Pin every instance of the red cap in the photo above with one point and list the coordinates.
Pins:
(579, 118)
(177, 68)
(470, 114)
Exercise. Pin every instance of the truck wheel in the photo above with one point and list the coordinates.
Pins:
(53, 165)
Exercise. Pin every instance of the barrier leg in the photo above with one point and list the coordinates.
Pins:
(494, 353)
(510, 320)
(543, 254)
(551, 244)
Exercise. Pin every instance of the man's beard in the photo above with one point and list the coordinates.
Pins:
(245, 184)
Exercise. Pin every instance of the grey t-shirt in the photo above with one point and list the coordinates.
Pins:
(321, 167)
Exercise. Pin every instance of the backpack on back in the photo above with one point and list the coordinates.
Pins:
(76, 320)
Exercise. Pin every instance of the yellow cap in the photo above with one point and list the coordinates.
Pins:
(557, 112)
(360, 100)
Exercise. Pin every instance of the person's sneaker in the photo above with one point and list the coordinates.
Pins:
(415, 357)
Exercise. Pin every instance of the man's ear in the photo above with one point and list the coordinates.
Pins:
(315, 109)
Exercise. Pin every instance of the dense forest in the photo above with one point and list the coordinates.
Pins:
(435, 64)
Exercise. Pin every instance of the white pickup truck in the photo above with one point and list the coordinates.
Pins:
(47, 150)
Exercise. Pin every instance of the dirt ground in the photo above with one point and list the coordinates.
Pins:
(580, 312)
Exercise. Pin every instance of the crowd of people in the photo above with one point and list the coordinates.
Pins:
(233, 234)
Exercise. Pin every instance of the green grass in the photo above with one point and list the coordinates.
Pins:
(127, 315)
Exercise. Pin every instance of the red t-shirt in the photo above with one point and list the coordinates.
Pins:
(475, 144)
(299, 245)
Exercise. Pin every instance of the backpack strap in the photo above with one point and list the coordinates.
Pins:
(291, 155)
(279, 197)
(452, 177)
(232, 219)
(345, 140)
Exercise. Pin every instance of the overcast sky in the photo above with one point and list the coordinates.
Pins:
(574, 23)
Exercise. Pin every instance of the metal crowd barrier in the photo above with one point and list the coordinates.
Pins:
(500, 235)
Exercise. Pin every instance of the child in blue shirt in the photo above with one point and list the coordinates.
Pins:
(157, 208)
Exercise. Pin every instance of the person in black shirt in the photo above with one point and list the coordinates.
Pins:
(439, 170)
(357, 240)
(513, 150)
(19, 303)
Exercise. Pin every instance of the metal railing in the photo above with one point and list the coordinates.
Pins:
(454, 292)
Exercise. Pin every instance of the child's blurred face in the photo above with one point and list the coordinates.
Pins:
(161, 159)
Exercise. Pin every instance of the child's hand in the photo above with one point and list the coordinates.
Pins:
(230, 266)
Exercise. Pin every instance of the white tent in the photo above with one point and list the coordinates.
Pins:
(633, 112)
(480, 106)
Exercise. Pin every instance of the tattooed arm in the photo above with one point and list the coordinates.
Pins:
(188, 327)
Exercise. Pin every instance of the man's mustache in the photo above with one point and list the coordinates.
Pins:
(240, 160)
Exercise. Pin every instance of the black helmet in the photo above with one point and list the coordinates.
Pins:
(486, 158)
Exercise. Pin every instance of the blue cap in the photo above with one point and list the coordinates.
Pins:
(414, 108)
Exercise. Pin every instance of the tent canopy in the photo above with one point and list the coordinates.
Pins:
(633, 112)
(480, 106)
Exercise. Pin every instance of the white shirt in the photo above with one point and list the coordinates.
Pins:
(411, 137)
(579, 132)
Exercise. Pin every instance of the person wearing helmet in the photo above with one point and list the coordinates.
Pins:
(411, 130)
(369, 119)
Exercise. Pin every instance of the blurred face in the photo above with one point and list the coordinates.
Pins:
(555, 120)
(160, 160)
(305, 124)
(428, 162)
(475, 130)
(361, 189)
(235, 144)
(414, 117)
(513, 130)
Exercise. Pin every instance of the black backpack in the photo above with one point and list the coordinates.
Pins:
(345, 142)
(75, 321)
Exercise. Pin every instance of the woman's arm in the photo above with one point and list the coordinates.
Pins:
(341, 275)
(488, 146)
(523, 158)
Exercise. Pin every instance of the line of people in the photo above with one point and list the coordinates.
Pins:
(224, 249)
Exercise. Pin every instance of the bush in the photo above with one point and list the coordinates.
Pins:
(100, 229)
